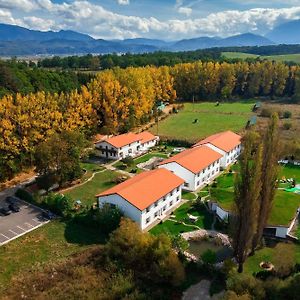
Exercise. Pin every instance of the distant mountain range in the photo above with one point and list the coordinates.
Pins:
(16, 40)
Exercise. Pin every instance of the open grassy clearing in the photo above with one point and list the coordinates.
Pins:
(211, 119)
(279, 58)
(285, 203)
(51, 242)
(286, 135)
(267, 254)
(205, 220)
(86, 193)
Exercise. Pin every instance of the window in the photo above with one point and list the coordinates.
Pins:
(171, 193)
(164, 198)
(171, 203)
(198, 183)
(203, 170)
(177, 189)
(186, 184)
(155, 215)
(155, 204)
(147, 220)
(177, 199)
(165, 207)
(147, 209)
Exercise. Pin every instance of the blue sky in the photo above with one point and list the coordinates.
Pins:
(164, 19)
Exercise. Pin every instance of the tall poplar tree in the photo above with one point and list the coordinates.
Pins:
(246, 198)
(269, 176)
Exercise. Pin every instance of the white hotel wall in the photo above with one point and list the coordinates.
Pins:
(194, 181)
(146, 146)
(128, 150)
(228, 157)
(164, 205)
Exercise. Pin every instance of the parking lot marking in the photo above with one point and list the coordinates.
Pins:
(28, 224)
(13, 232)
(21, 228)
(36, 221)
(5, 236)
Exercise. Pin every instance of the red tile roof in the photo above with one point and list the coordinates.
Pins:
(194, 159)
(146, 136)
(225, 141)
(146, 188)
(122, 140)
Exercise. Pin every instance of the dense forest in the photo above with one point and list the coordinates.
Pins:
(118, 100)
(107, 61)
(22, 77)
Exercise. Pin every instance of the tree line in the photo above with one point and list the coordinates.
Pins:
(118, 100)
(22, 77)
(108, 61)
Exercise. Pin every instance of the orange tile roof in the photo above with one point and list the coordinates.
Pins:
(194, 159)
(146, 136)
(146, 188)
(98, 138)
(123, 139)
(226, 140)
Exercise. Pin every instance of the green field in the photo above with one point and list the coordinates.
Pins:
(285, 203)
(211, 119)
(267, 254)
(86, 193)
(49, 243)
(279, 58)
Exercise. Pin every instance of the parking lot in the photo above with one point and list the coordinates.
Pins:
(19, 223)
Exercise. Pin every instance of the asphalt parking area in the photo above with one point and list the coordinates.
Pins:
(19, 223)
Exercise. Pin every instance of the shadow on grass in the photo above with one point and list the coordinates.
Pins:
(81, 234)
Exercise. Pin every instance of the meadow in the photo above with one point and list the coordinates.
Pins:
(210, 119)
(278, 58)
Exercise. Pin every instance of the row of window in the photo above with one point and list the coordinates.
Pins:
(163, 199)
(160, 211)
(208, 168)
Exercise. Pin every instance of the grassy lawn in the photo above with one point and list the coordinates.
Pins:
(290, 171)
(188, 196)
(51, 242)
(279, 58)
(266, 254)
(211, 119)
(284, 208)
(180, 214)
(285, 203)
(90, 167)
(86, 193)
(139, 160)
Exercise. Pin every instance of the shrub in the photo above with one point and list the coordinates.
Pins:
(287, 114)
(59, 204)
(287, 126)
(24, 195)
(209, 257)
(128, 161)
(266, 113)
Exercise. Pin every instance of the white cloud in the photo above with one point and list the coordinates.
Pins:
(38, 23)
(123, 2)
(24, 5)
(185, 10)
(93, 19)
(7, 18)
